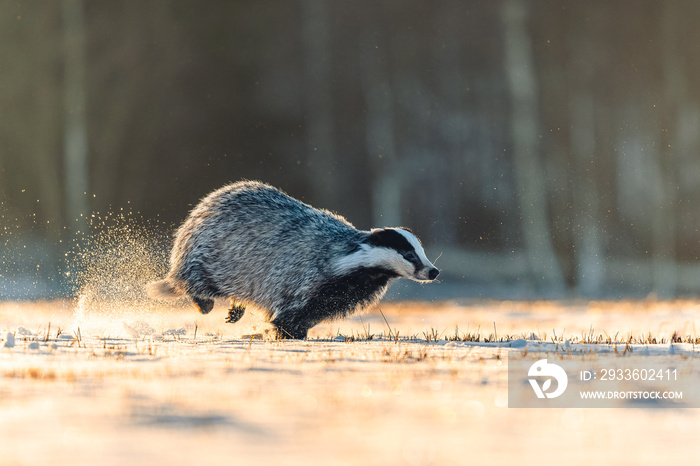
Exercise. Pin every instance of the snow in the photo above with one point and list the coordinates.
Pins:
(138, 387)
(21, 331)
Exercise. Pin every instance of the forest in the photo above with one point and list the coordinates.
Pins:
(548, 147)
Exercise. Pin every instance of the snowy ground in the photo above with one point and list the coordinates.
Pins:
(129, 384)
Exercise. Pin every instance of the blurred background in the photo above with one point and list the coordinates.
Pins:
(544, 148)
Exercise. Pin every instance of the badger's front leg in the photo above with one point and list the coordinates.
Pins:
(290, 326)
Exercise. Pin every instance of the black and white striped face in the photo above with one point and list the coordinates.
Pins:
(394, 249)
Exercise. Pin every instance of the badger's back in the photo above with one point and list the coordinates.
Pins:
(251, 241)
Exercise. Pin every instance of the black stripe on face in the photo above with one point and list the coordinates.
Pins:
(387, 238)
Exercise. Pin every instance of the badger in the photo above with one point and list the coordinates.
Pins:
(253, 244)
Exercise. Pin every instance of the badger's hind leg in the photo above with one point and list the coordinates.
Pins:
(235, 312)
(204, 305)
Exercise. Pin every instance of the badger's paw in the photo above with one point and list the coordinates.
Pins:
(203, 305)
(235, 313)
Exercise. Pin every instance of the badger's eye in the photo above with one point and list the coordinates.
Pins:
(411, 256)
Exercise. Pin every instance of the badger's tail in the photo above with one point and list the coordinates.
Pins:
(164, 289)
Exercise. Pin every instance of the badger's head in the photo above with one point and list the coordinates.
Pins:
(395, 250)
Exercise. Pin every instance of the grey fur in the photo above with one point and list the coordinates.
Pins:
(252, 243)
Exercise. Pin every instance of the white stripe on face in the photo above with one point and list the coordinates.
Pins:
(368, 256)
(411, 238)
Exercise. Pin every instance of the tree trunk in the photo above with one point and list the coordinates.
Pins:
(75, 150)
(588, 244)
(528, 168)
(677, 98)
(379, 131)
(318, 93)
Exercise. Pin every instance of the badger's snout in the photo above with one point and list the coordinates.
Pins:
(426, 274)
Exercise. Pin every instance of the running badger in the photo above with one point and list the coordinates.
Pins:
(254, 244)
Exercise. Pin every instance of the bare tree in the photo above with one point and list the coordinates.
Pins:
(379, 128)
(680, 108)
(318, 92)
(525, 132)
(589, 251)
(454, 123)
(76, 159)
(31, 110)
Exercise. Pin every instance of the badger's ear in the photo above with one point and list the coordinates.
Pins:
(388, 238)
(376, 235)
